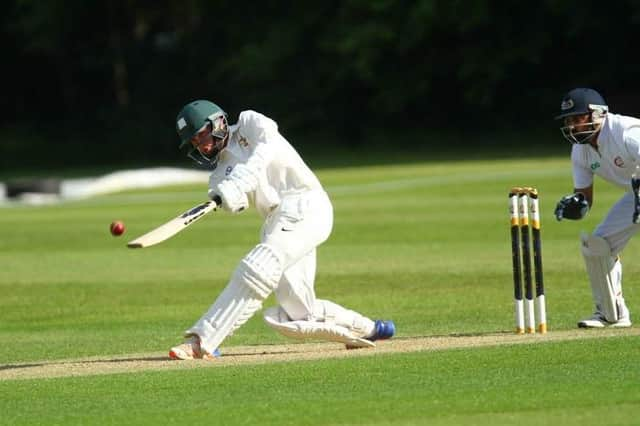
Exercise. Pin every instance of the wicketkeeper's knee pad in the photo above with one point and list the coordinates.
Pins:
(605, 275)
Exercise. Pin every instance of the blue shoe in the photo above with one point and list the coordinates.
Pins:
(384, 329)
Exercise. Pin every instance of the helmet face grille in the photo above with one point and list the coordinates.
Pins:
(587, 130)
(202, 160)
(219, 128)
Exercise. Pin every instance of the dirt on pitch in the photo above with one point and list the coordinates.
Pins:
(246, 355)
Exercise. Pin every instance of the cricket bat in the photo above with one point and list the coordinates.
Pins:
(171, 228)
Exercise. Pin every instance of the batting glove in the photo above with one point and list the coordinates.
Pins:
(233, 199)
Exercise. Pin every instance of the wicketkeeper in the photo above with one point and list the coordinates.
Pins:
(253, 164)
(607, 145)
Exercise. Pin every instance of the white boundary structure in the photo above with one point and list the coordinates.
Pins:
(75, 189)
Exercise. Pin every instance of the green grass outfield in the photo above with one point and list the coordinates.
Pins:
(424, 244)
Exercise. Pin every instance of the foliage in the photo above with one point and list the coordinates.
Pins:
(114, 74)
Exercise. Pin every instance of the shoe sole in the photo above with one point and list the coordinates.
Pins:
(600, 325)
(620, 325)
(590, 325)
(174, 355)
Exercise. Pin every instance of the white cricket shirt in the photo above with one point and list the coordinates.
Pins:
(256, 142)
(617, 155)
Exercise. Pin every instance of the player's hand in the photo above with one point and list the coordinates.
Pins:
(233, 199)
(216, 199)
(573, 206)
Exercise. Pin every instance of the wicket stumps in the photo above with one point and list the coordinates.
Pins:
(524, 203)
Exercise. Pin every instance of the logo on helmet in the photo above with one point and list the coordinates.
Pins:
(182, 123)
(566, 104)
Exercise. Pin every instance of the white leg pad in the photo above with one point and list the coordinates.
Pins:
(254, 279)
(329, 312)
(605, 275)
(278, 319)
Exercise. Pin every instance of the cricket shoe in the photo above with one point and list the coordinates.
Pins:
(383, 329)
(597, 320)
(191, 349)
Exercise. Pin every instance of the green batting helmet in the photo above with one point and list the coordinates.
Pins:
(195, 116)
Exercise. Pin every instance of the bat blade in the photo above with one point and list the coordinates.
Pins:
(171, 228)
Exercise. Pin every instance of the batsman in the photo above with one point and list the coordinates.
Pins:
(607, 145)
(252, 164)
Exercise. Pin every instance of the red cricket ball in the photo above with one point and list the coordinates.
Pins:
(116, 228)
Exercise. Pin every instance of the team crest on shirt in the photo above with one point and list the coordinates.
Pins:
(228, 170)
(618, 162)
(243, 142)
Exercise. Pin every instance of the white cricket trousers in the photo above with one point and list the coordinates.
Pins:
(301, 223)
(617, 227)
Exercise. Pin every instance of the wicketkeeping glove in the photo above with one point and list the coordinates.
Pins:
(635, 186)
(573, 207)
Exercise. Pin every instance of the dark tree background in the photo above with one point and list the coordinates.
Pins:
(100, 82)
